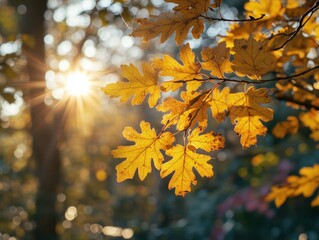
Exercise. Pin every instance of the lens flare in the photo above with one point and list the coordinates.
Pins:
(77, 84)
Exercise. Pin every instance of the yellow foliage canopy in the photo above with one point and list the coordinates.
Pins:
(275, 37)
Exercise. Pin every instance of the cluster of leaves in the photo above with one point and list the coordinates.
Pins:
(274, 37)
(305, 184)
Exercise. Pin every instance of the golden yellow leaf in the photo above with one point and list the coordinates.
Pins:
(185, 114)
(137, 86)
(175, 107)
(286, 127)
(246, 113)
(219, 103)
(138, 157)
(216, 60)
(307, 188)
(184, 159)
(306, 184)
(310, 172)
(195, 112)
(315, 201)
(277, 194)
(271, 8)
(186, 17)
(190, 69)
(311, 120)
(252, 58)
(208, 141)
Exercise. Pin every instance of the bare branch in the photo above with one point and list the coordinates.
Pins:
(233, 20)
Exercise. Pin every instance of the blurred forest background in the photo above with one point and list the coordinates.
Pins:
(57, 175)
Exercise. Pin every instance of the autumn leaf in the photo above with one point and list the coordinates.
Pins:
(208, 141)
(271, 8)
(252, 58)
(195, 112)
(305, 184)
(216, 60)
(185, 114)
(185, 17)
(219, 103)
(190, 7)
(190, 69)
(311, 120)
(138, 157)
(246, 113)
(184, 160)
(290, 126)
(278, 194)
(315, 201)
(137, 86)
(175, 109)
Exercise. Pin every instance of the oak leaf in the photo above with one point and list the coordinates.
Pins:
(219, 103)
(184, 160)
(137, 86)
(271, 8)
(278, 194)
(192, 7)
(216, 60)
(252, 58)
(208, 141)
(290, 126)
(189, 70)
(311, 120)
(315, 201)
(246, 113)
(186, 17)
(175, 109)
(305, 184)
(138, 157)
(185, 114)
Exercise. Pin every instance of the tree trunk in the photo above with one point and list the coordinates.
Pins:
(45, 128)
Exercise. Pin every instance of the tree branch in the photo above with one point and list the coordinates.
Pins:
(249, 82)
(306, 104)
(233, 20)
(291, 35)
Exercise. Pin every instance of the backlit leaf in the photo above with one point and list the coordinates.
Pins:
(138, 157)
(184, 160)
(290, 126)
(219, 103)
(311, 120)
(247, 113)
(216, 60)
(137, 86)
(208, 141)
(252, 58)
(185, 17)
(189, 70)
(271, 8)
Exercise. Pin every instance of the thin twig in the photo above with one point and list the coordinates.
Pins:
(291, 35)
(233, 20)
(306, 104)
(248, 82)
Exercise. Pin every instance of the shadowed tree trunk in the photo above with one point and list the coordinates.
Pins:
(45, 128)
